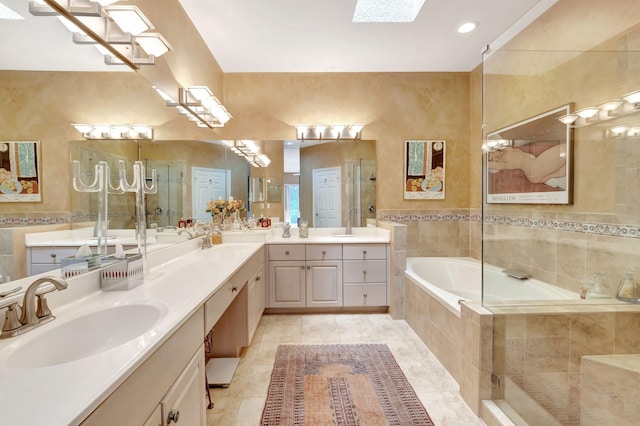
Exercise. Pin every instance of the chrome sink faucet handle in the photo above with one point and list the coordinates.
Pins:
(29, 316)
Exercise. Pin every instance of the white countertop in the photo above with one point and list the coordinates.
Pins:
(66, 393)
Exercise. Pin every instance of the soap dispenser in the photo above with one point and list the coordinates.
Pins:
(628, 290)
(598, 291)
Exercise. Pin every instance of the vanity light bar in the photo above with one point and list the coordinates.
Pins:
(328, 132)
(199, 102)
(115, 131)
(615, 108)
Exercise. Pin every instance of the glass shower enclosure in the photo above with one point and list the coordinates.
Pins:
(561, 210)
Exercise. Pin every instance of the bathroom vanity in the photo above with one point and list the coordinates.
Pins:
(137, 356)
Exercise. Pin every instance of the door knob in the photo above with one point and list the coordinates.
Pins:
(173, 416)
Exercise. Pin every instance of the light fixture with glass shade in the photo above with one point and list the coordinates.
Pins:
(115, 131)
(129, 18)
(568, 118)
(588, 112)
(324, 132)
(633, 98)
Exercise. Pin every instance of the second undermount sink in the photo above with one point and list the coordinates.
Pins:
(84, 336)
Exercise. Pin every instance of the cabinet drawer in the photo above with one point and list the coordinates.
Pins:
(324, 251)
(52, 255)
(220, 301)
(363, 271)
(364, 251)
(365, 295)
(286, 252)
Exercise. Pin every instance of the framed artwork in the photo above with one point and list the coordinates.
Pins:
(424, 169)
(20, 171)
(529, 162)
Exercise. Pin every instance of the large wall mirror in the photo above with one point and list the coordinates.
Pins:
(190, 173)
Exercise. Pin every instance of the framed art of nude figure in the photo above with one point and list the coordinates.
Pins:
(529, 162)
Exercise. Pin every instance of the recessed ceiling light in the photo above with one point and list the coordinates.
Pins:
(6, 13)
(386, 11)
(467, 27)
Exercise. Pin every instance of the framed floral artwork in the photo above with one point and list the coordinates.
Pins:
(20, 171)
(424, 169)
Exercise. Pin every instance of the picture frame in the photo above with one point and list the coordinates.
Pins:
(530, 162)
(424, 169)
(20, 178)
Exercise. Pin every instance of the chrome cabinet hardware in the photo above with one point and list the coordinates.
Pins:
(173, 416)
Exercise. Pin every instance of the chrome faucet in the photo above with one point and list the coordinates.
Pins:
(32, 316)
(206, 242)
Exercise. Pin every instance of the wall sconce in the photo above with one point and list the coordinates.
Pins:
(328, 132)
(588, 112)
(115, 131)
(250, 151)
(633, 98)
(118, 31)
(623, 131)
(199, 105)
(568, 119)
(612, 108)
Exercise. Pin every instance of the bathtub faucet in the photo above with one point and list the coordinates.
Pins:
(517, 273)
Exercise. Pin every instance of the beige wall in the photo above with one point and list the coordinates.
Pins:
(393, 107)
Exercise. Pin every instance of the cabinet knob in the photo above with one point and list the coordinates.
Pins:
(53, 255)
(364, 252)
(173, 416)
(364, 271)
(365, 295)
(324, 252)
(308, 267)
(233, 289)
(287, 252)
(258, 278)
(302, 267)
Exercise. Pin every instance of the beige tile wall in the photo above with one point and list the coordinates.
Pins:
(538, 354)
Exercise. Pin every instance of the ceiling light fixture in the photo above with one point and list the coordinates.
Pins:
(467, 27)
(387, 11)
(328, 132)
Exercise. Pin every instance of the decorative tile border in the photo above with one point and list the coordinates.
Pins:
(609, 229)
(6, 221)
(431, 217)
(596, 228)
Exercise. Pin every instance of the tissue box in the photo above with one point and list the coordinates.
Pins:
(73, 266)
(122, 274)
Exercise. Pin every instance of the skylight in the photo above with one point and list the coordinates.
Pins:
(387, 10)
(6, 13)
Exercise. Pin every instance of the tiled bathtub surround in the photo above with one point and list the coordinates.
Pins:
(562, 249)
(437, 232)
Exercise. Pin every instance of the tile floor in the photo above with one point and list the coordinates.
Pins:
(242, 402)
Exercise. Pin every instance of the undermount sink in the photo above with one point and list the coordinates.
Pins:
(343, 235)
(84, 336)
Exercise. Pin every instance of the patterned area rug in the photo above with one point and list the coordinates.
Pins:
(340, 385)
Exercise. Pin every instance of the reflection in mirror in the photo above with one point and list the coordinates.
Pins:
(338, 180)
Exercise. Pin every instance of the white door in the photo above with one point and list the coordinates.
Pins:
(208, 184)
(327, 204)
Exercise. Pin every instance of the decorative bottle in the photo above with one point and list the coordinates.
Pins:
(628, 289)
(598, 291)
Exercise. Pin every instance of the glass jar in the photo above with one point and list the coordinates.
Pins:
(628, 289)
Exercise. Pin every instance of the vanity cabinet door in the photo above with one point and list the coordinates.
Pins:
(184, 404)
(257, 298)
(324, 283)
(286, 284)
(156, 418)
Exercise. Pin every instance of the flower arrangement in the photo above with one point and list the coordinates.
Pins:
(225, 207)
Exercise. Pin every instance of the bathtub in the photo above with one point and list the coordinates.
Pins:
(451, 279)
